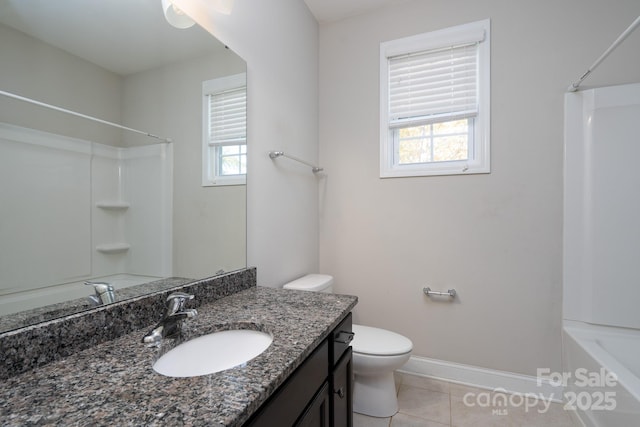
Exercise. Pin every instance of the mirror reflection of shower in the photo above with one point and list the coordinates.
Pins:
(84, 211)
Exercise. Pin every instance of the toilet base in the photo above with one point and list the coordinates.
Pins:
(375, 395)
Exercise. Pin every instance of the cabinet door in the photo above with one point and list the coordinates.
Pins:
(317, 414)
(342, 388)
(290, 400)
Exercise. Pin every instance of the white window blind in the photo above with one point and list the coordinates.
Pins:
(433, 86)
(228, 117)
(435, 102)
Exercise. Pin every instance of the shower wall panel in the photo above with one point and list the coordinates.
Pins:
(45, 194)
(72, 210)
(602, 206)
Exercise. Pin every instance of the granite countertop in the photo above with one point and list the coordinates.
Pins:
(114, 384)
(42, 314)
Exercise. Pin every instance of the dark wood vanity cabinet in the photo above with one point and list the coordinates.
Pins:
(320, 392)
(342, 387)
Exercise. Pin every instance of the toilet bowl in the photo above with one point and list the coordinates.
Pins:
(376, 354)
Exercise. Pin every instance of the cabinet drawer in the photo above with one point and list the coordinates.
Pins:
(341, 337)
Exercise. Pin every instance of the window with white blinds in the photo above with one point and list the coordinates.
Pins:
(433, 86)
(228, 117)
(435, 103)
(224, 151)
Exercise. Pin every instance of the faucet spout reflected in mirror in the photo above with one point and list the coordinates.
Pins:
(104, 293)
(171, 324)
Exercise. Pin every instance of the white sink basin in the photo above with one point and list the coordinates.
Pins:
(213, 353)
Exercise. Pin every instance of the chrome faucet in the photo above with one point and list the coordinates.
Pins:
(104, 293)
(171, 324)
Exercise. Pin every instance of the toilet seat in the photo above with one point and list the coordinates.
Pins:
(379, 342)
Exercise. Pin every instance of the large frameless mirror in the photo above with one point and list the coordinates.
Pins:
(157, 196)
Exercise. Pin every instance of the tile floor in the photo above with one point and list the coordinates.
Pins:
(426, 402)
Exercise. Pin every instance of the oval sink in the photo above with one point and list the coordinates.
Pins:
(213, 353)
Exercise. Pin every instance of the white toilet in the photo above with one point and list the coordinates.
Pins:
(376, 354)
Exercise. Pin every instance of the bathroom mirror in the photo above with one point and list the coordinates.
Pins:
(83, 200)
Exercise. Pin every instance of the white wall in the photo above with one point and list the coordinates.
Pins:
(497, 238)
(279, 41)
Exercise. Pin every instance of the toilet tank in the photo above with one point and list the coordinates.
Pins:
(312, 282)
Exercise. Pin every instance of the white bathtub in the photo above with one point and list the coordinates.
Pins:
(591, 348)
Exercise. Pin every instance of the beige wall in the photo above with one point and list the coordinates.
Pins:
(209, 223)
(497, 238)
(37, 70)
(279, 41)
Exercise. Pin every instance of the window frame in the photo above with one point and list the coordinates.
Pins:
(210, 153)
(479, 147)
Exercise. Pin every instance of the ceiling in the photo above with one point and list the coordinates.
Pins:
(108, 32)
(335, 10)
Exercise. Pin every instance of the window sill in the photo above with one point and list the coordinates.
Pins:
(440, 170)
(221, 182)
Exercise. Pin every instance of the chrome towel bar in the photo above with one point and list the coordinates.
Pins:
(450, 293)
(276, 154)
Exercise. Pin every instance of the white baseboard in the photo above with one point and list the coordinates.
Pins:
(482, 378)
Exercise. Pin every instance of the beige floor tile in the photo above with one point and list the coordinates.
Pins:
(552, 415)
(460, 390)
(426, 383)
(485, 413)
(404, 420)
(427, 404)
(360, 420)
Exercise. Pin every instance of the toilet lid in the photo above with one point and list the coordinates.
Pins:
(310, 282)
(379, 342)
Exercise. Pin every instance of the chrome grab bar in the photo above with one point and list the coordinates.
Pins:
(450, 293)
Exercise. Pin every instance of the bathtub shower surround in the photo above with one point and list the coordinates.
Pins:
(602, 373)
(601, 247)
(76, 210)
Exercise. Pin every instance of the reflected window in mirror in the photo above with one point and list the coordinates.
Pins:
(224, 131)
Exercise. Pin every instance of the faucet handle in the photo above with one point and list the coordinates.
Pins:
(182, 295)
(175, 302)
(104, 292)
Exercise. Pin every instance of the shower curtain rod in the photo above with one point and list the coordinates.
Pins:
(623, 36)
(84, 116)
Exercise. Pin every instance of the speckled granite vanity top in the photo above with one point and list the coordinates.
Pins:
(113, 383)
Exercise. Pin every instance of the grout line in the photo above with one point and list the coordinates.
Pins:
(450, 409)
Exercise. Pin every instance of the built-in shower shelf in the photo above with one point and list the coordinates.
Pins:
(113, 205)
(113, 248)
